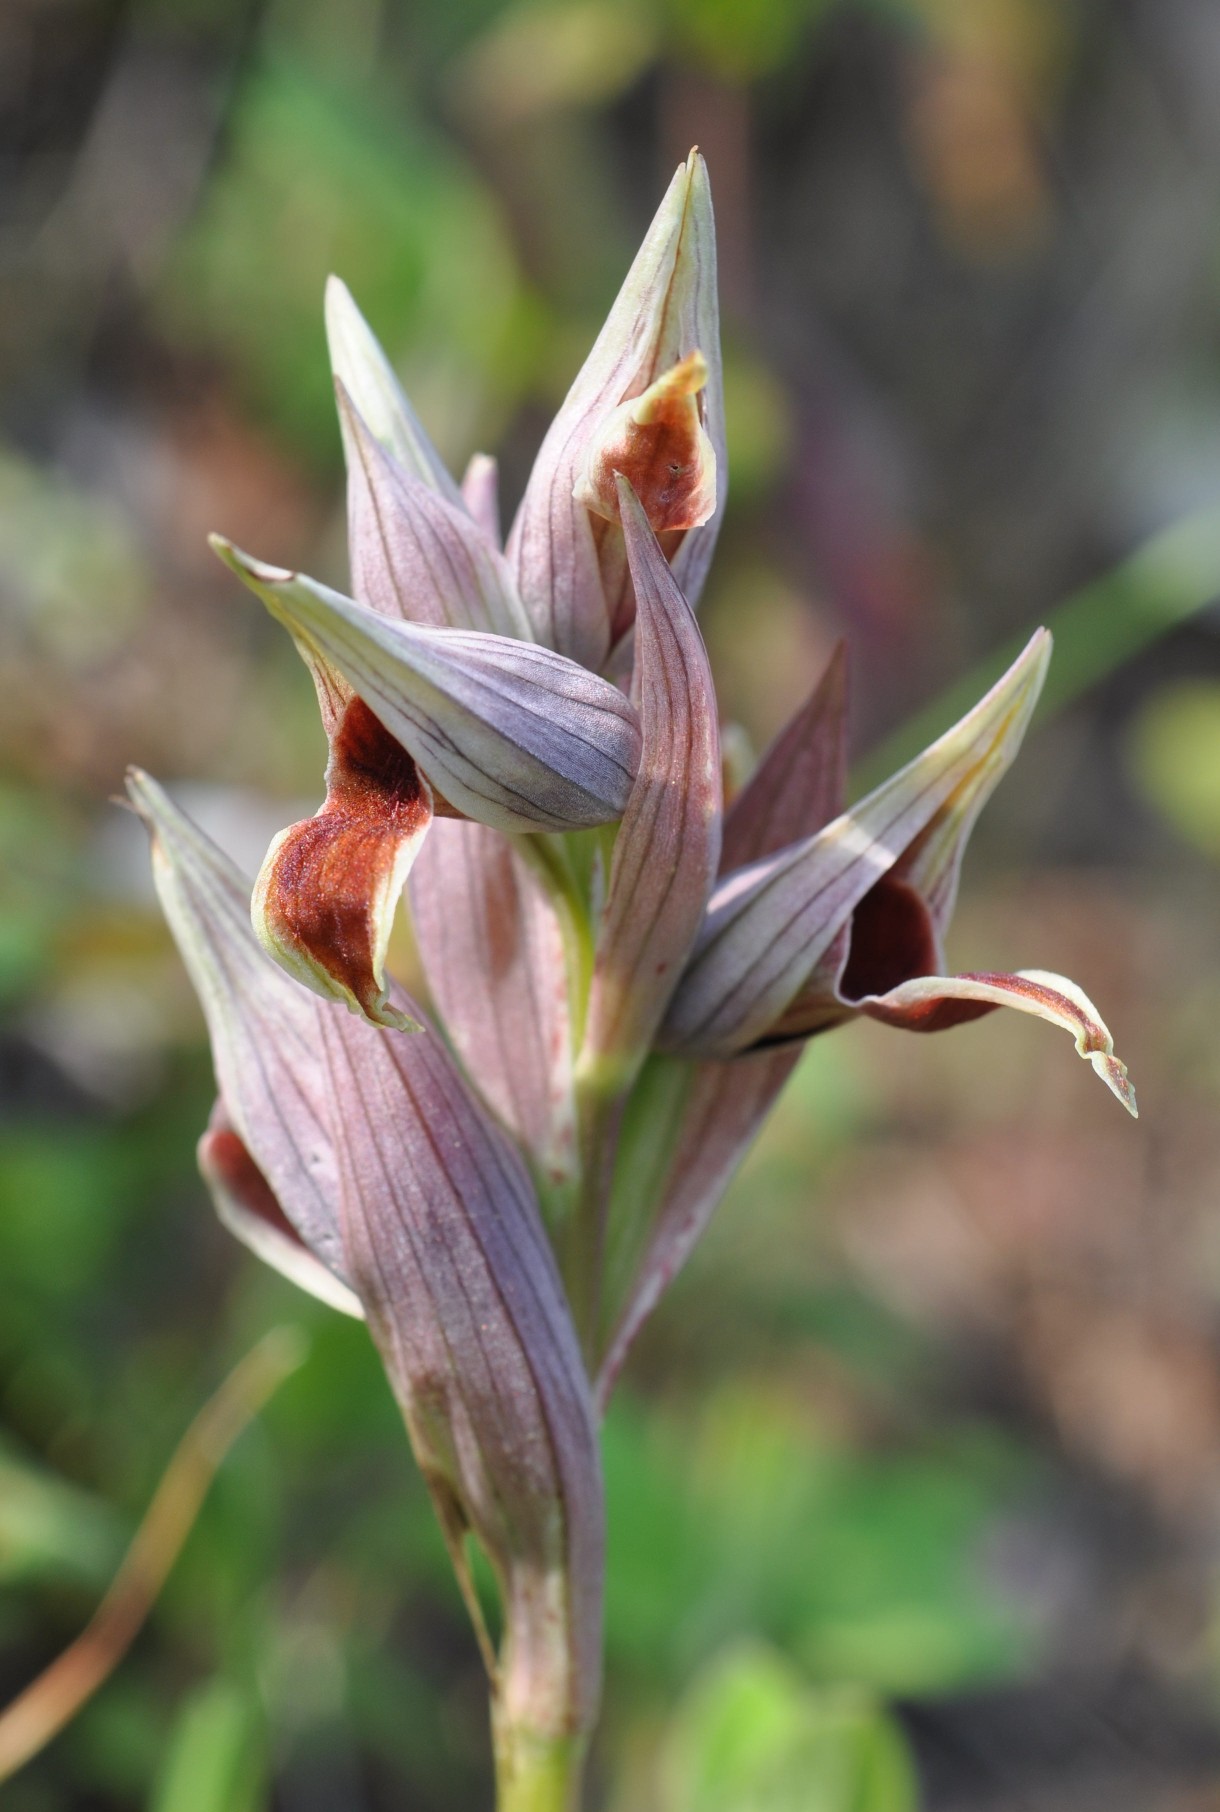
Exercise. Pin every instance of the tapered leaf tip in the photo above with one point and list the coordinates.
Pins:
(247, 568)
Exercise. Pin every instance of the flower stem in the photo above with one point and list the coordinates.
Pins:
(538, 1774)
(598, 1120)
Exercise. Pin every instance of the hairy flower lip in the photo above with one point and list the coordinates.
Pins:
(933, 1002)
(657, 443)
(325, 897)
(511, 734)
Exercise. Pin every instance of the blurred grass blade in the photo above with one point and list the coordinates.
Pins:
(215, 1759)
(1170, 577)
(45, 1707)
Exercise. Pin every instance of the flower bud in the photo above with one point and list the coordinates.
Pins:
(571, 569)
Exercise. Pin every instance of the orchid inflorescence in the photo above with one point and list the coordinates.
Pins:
(623, 961)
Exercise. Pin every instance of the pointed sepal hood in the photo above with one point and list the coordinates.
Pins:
(862, 908)
(415, 554)
(509, 734)
(713, 1109)
(445, 1245)
(570, 564)
(263, 1032)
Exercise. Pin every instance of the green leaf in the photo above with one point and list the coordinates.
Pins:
(215, 1761)
(50, 1529)
(741, 40)
(752, 1736)
(1174, 754)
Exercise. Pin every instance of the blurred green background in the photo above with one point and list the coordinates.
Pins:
(914, 1481)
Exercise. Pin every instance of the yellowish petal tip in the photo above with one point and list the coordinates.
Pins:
(383, 1015)
(143, 793)
(246, 566)
(1113, 1073)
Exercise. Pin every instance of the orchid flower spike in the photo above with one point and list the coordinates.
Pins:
(625, 966)
(512, 726)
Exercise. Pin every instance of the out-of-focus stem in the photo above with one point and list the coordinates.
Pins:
(41, 1711)
(538, 1774)
(599, 1116)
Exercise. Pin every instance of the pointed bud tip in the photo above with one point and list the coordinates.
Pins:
(695, 167)
(340, 313)
(1034, 657)
(147, 798)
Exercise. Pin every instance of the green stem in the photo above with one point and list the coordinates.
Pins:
(538, 1774)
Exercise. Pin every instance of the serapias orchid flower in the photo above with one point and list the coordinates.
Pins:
(624, 966)
(360, 1164)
